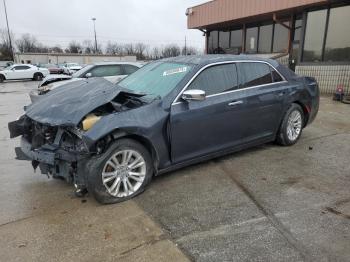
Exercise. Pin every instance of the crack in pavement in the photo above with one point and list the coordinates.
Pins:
(285, 232)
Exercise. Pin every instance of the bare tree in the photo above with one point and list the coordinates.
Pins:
(74, 48)
(56, 49)
(27, 43)
(88, 47)
(114, 48)
(156, 53)
(140, 50)
(5, 48)
(189, 50)
(171, 50)
(129, 49)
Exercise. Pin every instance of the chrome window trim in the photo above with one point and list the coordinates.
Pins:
(175, 102)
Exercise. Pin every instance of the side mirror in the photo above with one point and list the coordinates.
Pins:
(194, 94)
(88, 75)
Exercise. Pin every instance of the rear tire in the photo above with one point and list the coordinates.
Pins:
(2, 78)
(292, 126)
(115, 177)
(38, 77)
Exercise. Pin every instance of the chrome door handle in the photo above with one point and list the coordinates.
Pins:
(236, 103)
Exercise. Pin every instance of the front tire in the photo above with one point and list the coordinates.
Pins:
(291, 126)
(2, 78)
(121, 173)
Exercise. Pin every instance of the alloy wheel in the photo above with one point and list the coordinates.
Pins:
(294, 125)
(124, 173)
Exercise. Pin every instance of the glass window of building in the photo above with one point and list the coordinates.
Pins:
(280, 40)
(265, 38)
(212, 41)
(314, 35)
(224, 39)
(338, 37)
(251, 45)
(236, 41)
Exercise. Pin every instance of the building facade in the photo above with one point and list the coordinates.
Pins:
(312, 37)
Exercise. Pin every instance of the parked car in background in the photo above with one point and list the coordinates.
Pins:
(72, 67)
(53, 69)
(112, 139)
(111, 71)
(66, 71)
(23, 71)
(4, 64)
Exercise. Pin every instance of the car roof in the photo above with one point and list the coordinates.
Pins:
(209, 59)
(22, 65)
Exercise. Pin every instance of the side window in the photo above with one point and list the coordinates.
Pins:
(21, 67)
(129, 69)
(109, 70)
(255, 74)
(216, 79)
(276, 76)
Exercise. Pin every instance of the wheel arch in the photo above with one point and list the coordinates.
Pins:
(3, 76)
(305, 109)
(120, 134)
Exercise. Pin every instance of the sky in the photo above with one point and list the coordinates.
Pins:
(154, 22)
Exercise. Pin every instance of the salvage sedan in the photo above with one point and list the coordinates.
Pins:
(110, 140)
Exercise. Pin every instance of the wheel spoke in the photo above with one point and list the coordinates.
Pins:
(136, 178)
(110, 163)
(115, 186)
(138, 174)
(125, 185)
(137, 163)
(131, 188)
(108, 176)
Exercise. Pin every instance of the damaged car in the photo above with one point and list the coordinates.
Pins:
(110, 140)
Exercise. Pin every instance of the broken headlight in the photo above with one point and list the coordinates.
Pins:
(89, 121)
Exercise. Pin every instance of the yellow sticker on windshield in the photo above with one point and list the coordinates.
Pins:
(175, 71)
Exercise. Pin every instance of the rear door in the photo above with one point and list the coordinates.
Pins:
(262, 92)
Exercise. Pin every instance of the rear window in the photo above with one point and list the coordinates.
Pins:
(255, 74)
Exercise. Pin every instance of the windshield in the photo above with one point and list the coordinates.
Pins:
(156, 79)
(82, 72)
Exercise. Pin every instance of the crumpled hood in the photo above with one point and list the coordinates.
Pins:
(52, 78)
(70, 103)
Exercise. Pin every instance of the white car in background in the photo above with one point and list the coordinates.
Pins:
(23, 71)
(72, 67)
(111, 71)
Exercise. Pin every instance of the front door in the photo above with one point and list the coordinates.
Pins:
(202, 127)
